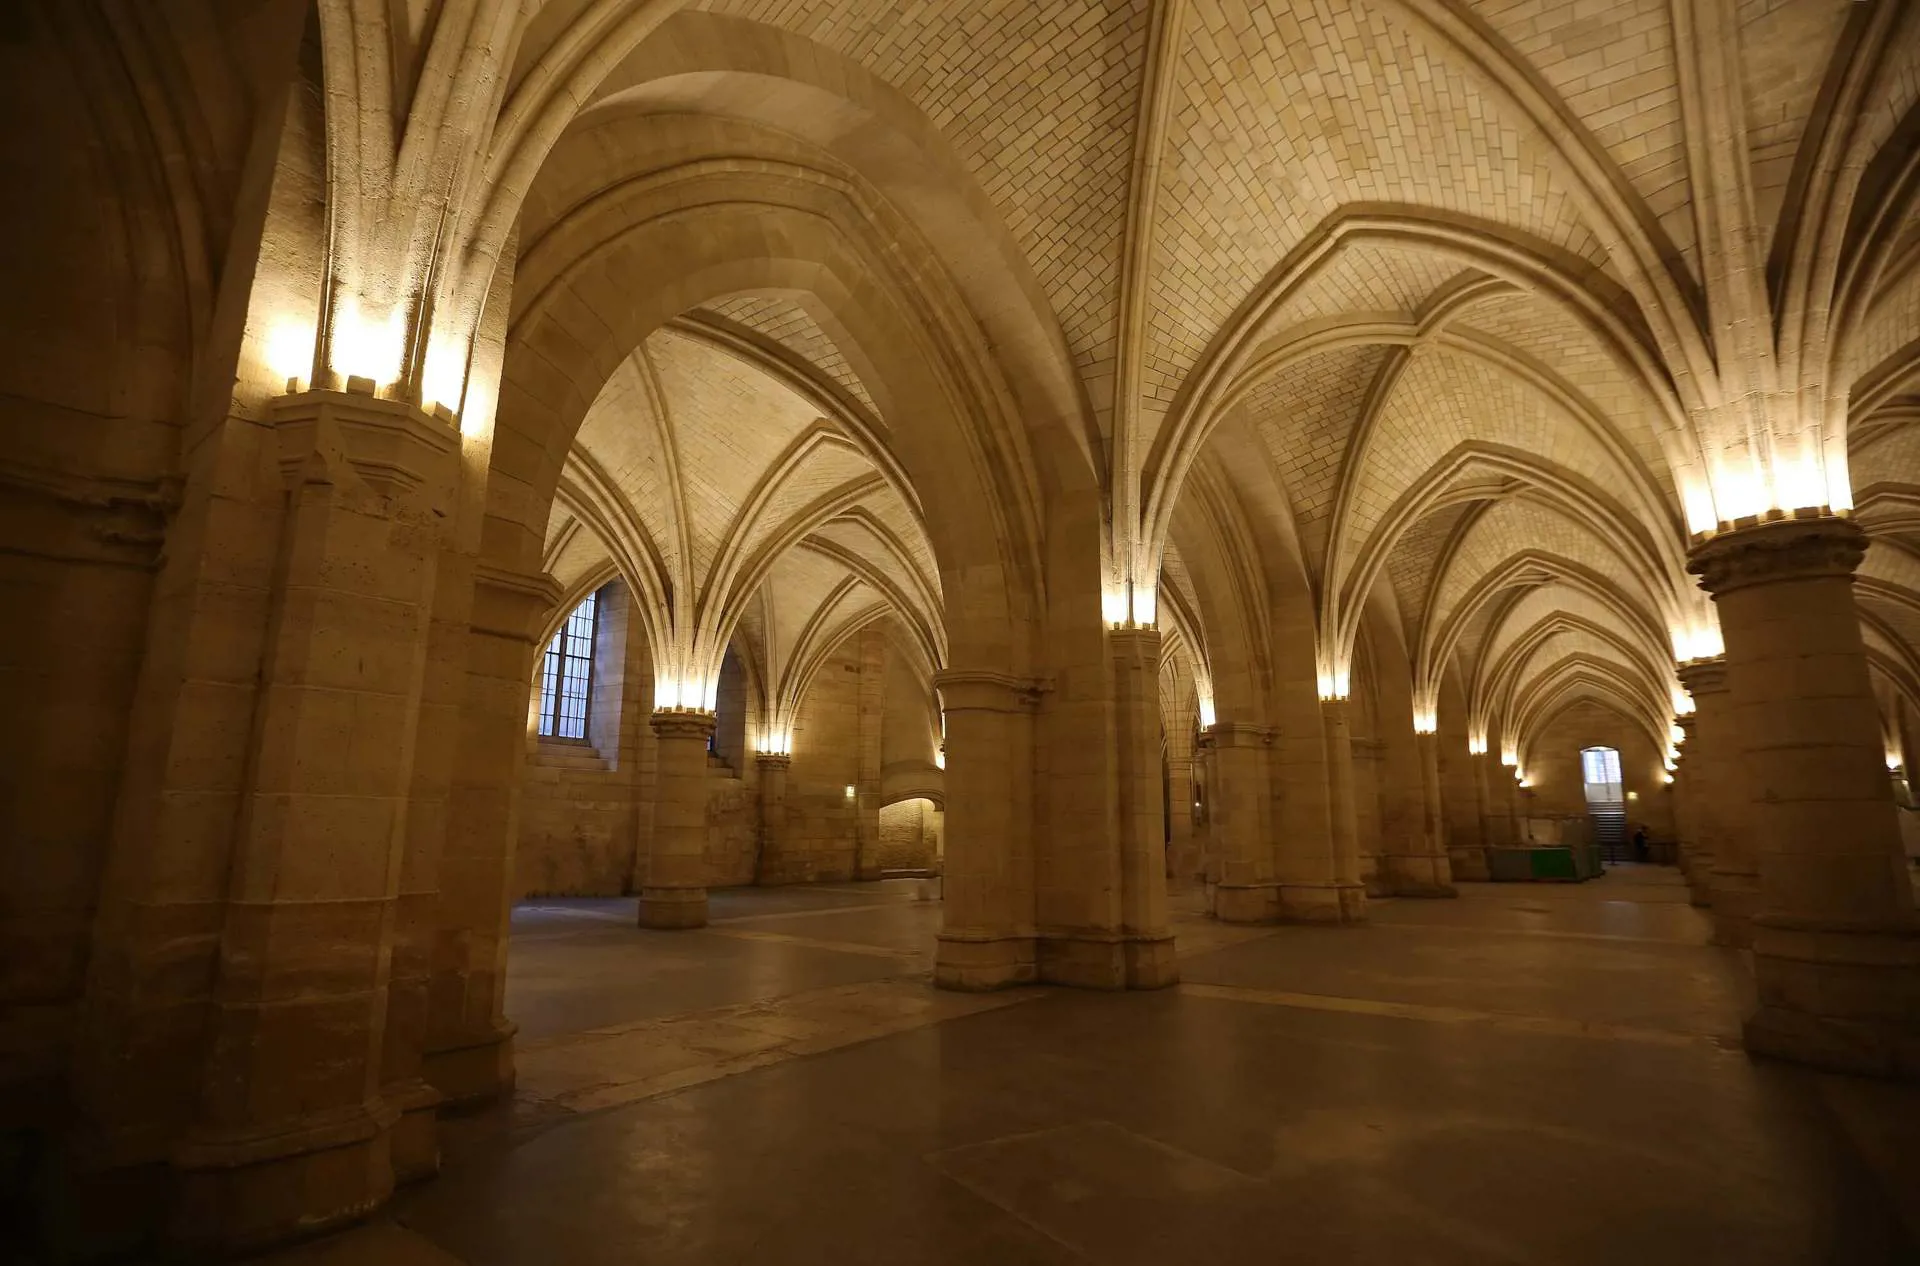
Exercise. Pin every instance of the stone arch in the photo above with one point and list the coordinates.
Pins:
(795, 230)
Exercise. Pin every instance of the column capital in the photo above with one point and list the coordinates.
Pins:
(1238, 734)
(965, 691)
(1703, 676)
(397, 451)
(1143, 642)
(772, 760)
(512, 604)
(1788, 549)
(679, 723)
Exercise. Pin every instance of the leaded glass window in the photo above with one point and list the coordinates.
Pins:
(566, 674)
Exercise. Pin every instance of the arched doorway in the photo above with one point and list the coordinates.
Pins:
(1606, 802)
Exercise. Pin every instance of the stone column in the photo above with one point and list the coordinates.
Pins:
(1467, 833)
(1204, 782)
(293, 1132)
(1835, 941)
(1245, 887)
(1182, 853)
(1337, 727)
(674, 893)
(469, 1057)
(1720, 818)
(869, 717)
(1425, 870)
(1516, 804)
(1686, 815)
(1146, 935)
(986, 932)
(773, 767)
(1495, 827)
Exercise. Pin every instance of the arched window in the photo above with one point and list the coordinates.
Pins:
(566, 676)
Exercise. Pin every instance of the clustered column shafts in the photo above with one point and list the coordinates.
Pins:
(1241, 874)
(1337, 725)
(294, 1126)
(1695, 862)
(1146, 936)
(987, 928)
(674, 894)
(1424, 869)
(1835, 941)
(1496, 824)
(773, 768)
(1732, 880)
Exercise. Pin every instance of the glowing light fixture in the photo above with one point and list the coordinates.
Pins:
(851, 791)
(1425, 721)
(366, 346)
(443, 381)
(289, 350)
(673, 693)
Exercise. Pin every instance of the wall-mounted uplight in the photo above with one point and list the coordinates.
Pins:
(940, 756)
(852, 791)
(1476, 745)
(289, 351)
(367, 346)
(684, 694)
(1425, 721)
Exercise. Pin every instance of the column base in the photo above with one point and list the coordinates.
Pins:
(236, 1192)
(1108, 960)
(1153, 962)
(1417, 875)
(475, 1071)
(672, 908)
(977, 963)
(1699, 891)
(416, 1135)
(1323, 903)
(1735, 899)
(1469, 865)
(1840, 1000)
(1246, 903)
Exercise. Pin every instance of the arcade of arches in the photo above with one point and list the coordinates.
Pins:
(1159, 466)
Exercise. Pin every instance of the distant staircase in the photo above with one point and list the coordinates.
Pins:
(1610, 831)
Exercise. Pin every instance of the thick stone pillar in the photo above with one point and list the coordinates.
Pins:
(1183, 855)
(1720, 818)
(986, 933)
(674, 893)
(1246, 888)
(1694, 864)
(469, 1057)
(1496, 826)
(1338, 729)
(773, 768)
(869, 717)
(1463, 805)
(1146, 935)
(1835, 942)
(1418, 865)
(293, 1132)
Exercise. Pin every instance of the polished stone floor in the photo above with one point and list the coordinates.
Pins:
(1530, 1074)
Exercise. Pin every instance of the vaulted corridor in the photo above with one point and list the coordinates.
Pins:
(989, 629)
